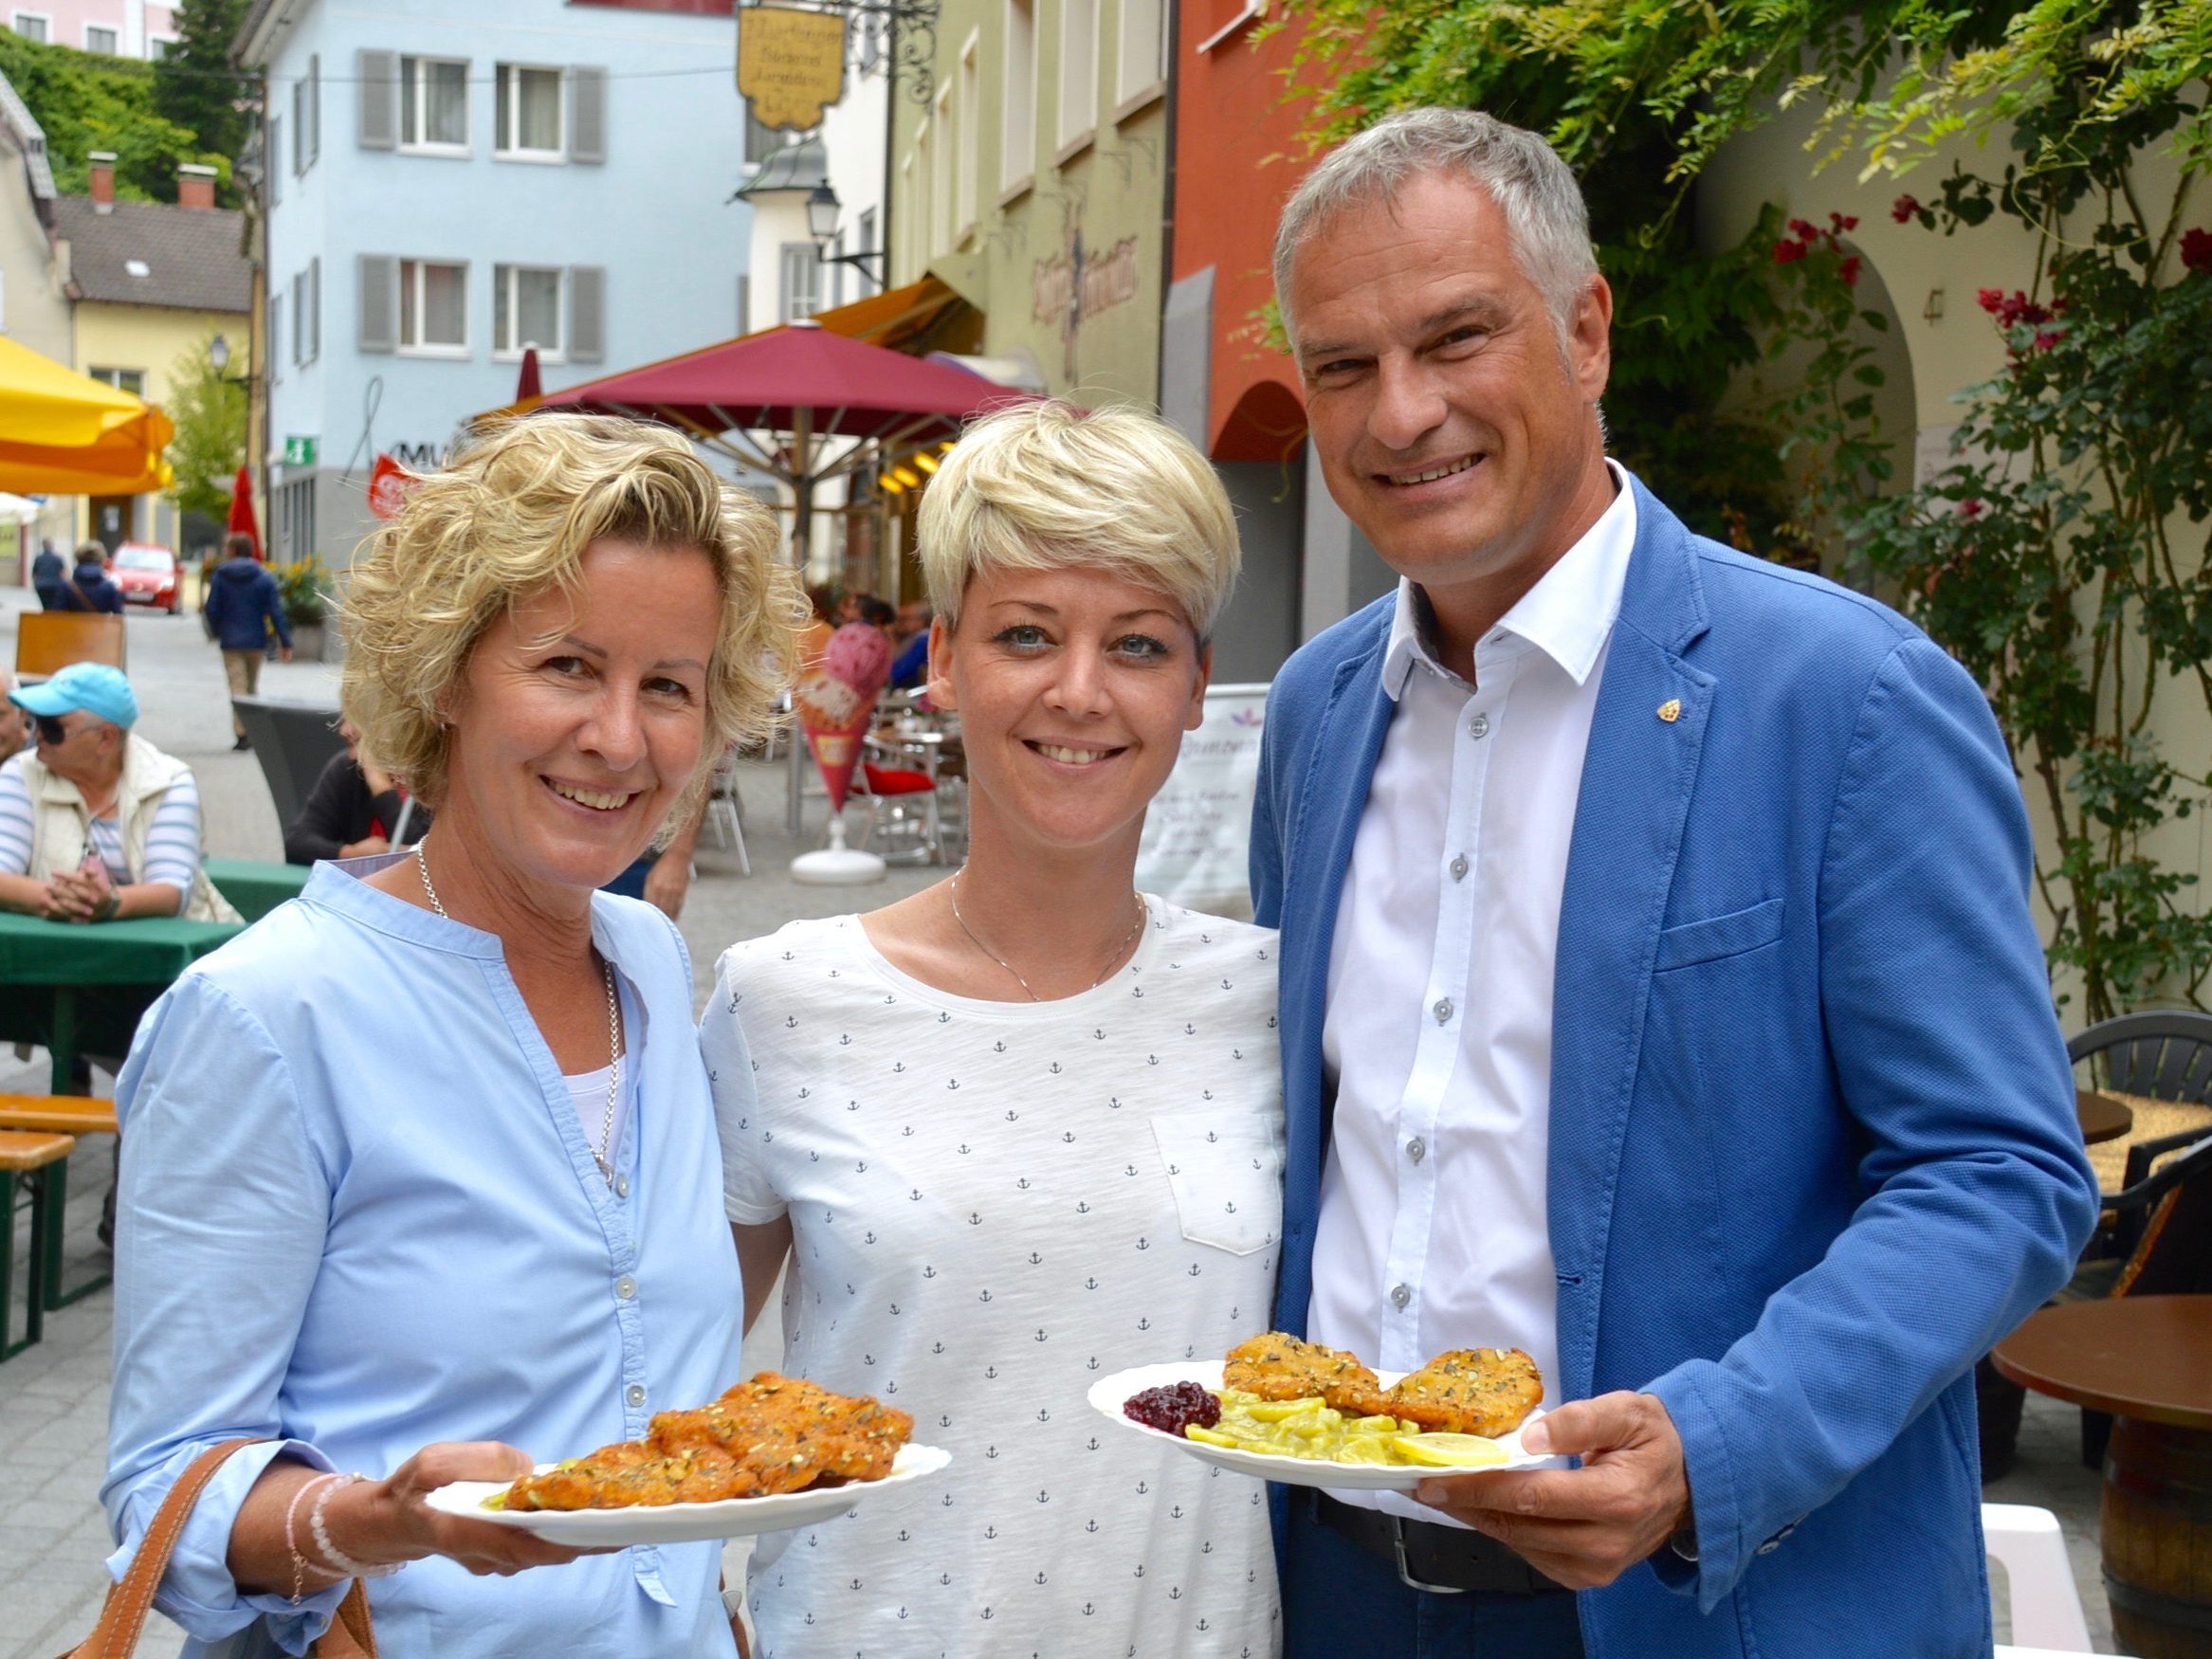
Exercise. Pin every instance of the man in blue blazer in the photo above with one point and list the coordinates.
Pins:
(1659, 993)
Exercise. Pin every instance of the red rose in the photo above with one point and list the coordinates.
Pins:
(2197, 250)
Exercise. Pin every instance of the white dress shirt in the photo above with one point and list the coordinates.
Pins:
(1438, 1037)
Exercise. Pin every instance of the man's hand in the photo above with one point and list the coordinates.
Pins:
(1581, 1527)
(283, 653)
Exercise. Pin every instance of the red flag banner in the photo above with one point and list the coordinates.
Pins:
(389, 482)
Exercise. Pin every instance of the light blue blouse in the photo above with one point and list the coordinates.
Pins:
(357, 1213)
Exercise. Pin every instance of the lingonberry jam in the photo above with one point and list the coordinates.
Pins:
(1173, 1407)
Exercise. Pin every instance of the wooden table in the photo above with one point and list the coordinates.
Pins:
(2102, 1117)
(2147, 1360)
(79, 987)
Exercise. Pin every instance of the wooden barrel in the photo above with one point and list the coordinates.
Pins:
(2158, 1540)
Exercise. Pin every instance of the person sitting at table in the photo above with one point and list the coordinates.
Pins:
(14, 720)
(1027, 1123)
(427, 1155)
(911, 639)
(356, 810)
(98, 823)
(87, 587)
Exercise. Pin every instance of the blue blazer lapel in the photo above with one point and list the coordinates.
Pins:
(1332, 795)
(1634, 801)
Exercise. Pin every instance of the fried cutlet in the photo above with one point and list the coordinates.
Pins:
(769, 1434)
(1469, 1391)
(1278, 1367)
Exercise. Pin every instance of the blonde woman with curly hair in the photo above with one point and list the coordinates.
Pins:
(1025, 1127)
(420, 1182)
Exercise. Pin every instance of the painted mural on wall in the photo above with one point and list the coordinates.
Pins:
(1073, 287)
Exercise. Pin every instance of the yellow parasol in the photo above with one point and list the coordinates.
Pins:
(65, 434)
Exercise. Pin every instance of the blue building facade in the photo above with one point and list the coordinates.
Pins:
(451, 181)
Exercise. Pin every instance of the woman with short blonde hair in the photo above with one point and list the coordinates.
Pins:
(418, 1183)
(1025, 1125)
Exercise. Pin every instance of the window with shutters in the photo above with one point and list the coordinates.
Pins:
(307, 135)
(587, 314)
(1017, 103)
(299, 318)
(586, 114)
(763, 141)
(275, 167)
(1142, 74)
(945, 139)
(1078, 75)
(100, 39)
(33, 26)
(800, 293)
(313, 329)
(433, 307)
(433, 107)
(964, 163)
(744, 302)
(525, 310)
(865, 236)
(276, 336)
(528, 114)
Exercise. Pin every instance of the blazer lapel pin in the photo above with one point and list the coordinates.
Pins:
(1671, 710)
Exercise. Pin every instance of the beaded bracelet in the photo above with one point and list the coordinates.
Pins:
(301, 1564)
(343, 1564)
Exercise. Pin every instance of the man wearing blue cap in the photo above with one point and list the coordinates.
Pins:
(97, 824)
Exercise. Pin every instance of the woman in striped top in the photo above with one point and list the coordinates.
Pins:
(98, 824)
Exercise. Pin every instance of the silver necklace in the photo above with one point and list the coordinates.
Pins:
(601, 1154)
(1112, 962)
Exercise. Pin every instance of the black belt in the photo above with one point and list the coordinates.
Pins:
(1445, 1559)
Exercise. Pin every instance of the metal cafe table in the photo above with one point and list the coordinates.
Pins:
(81, 987)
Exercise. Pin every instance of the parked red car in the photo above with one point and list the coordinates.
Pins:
(148, 575)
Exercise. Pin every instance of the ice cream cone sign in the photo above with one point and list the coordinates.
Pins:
(836, 700)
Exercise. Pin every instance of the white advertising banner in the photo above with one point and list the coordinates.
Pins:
(1199, 828)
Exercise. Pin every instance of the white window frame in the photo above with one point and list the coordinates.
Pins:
(1018, 101)
(1133, 94)
(115, 378)
(785, 297)
(407, 146)
(504, 275)
(1078, 112)
(410, 270)
(865, 238)
(165, 42)
(500, 145)
(43, 19)
(113, 31)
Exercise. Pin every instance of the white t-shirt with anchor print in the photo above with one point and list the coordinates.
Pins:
(992, 1204)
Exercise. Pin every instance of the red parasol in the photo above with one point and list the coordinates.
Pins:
(528, 384)
(242, 508)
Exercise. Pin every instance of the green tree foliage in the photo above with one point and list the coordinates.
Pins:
(210, 446)
(197, 86)
(90, 101)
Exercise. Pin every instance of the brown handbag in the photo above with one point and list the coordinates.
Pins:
(128, 1603)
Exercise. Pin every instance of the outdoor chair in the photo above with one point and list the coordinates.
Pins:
(48, 640)
(726, 809)
(2038, 1580)
(293, 741)
(2155, 1234)
(902, 803)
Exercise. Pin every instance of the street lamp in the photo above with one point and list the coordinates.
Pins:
(822, 206)
(219, 354)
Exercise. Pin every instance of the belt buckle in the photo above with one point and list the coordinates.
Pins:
(1405, 1574)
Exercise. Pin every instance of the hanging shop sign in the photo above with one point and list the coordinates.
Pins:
(791, 63)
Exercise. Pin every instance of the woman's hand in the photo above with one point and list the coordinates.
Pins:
(69, 897)
(397, 1525)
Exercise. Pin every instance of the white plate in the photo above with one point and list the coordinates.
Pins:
(684, 1522)
(1108, 1394)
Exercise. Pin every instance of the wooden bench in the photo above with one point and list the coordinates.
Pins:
(40, 1164)
(72, 1115)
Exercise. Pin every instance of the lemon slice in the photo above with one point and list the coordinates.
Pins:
(1450, 1450)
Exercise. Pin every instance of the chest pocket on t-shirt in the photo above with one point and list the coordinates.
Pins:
(1226, 1168)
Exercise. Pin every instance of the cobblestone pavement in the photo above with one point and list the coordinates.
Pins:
(53, 1397)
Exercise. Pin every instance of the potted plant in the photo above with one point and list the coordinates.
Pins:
(301, 586)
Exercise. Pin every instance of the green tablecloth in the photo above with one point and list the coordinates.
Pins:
(256, 889)
(79, 987)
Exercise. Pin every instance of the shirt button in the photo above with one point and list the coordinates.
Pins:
(626, 1288)
(1416, 1149)
(1400, 1295)
(634, 1393)
(1459, 867)
(622, 1186)
(1442, 1010)
(1479, 726)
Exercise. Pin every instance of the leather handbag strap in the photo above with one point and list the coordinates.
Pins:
(123, 1618)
